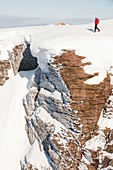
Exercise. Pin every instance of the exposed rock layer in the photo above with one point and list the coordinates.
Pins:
(4, 67)
(16, 57)
(87, 99)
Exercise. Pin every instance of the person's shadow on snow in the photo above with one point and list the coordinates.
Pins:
(90, 29)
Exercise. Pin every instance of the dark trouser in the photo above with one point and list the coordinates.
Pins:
(96, 28)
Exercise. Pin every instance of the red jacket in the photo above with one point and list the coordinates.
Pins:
(96, 21)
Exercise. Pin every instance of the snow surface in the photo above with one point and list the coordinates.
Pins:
(13, 138)
(46, 42)
(96, 47)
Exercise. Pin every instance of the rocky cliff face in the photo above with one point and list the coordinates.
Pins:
(41, 122)
(77, 112)
(59, 128)
(89, 100)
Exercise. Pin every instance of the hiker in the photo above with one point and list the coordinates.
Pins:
(96, 24)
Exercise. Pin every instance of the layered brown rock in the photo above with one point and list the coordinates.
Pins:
(16, 57)
(4, 67)
(87, 99)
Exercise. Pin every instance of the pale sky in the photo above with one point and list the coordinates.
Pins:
(57, 8)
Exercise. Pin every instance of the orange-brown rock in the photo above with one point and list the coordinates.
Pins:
(4, 67)
(61, 23)
(109, 148)
(16, 57)
(88, 99)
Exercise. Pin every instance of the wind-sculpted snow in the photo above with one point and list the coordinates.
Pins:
(50, 81)
(41, 80)
(42, 133)
(52, 123)
(58, 111)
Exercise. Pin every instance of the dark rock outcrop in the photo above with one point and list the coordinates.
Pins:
(28, 62)
(22, 59)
